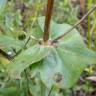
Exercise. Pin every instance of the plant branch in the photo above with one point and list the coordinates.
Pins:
(48, 19)
(50, 90)
(84, 17)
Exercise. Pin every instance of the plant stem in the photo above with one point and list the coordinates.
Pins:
(50, 90)
(48, 19)
(27, 79)
(89, 32)
(89, 25)
(76, 24)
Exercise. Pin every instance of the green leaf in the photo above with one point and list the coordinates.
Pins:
(26, 58)
(10, 42)
(67, 60)
(55, 29)
(8, 91)
(2, 5)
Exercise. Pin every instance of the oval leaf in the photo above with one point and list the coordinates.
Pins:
(67, 60)
(10, 42)
(26, 58)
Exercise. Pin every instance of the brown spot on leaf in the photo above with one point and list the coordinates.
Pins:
(58, 77)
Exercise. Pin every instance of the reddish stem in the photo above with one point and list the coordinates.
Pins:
(48, 19)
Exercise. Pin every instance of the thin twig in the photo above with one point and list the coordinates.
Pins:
(84, 17)
(26, 43)
(50, 90)
(48, 19)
